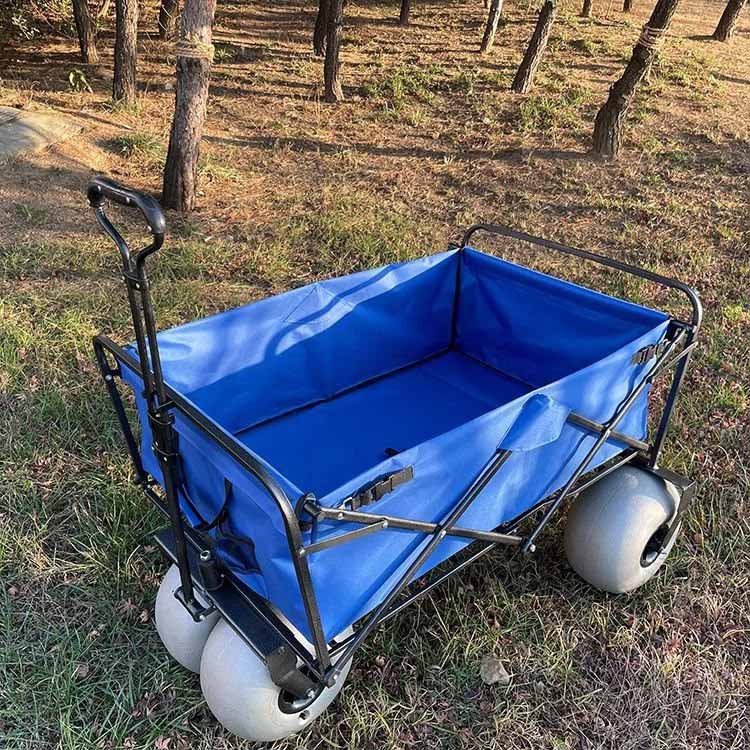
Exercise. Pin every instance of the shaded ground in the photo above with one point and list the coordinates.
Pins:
(428, 142)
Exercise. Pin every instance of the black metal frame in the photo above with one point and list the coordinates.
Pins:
(254, 619)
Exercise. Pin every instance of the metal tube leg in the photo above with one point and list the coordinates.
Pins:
(439, 534)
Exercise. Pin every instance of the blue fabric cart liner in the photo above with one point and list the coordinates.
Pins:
(438, 360)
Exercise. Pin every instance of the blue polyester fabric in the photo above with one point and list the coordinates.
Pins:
(432, 364)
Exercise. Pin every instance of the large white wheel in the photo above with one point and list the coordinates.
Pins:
(613, 529)
(241, 695)
(183, 637)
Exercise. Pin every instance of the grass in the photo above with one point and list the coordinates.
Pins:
(292, 190)
(549, 113)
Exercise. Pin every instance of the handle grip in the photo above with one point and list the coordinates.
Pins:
(102, 188)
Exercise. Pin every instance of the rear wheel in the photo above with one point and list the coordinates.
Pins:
(615, 529)
(242, 696)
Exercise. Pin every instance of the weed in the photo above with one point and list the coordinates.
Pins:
(140, 145)
(213, 169)
(404, 83)
(77, 80)
(31, 214)
(223, 55)
(546, 113)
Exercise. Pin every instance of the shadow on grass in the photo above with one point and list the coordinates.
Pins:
(314, 146)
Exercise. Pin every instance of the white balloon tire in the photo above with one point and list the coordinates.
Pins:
(183, 638)
(239, 691)
(610, 525)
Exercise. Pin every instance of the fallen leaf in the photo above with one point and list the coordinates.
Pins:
(493, 672)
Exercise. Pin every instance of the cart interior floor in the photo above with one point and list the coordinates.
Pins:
(324, 445)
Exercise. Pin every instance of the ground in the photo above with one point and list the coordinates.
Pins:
(428, 141)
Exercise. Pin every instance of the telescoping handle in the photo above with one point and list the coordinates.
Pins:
(101, 189)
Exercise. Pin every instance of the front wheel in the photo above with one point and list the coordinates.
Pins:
(615, 528)
(183, 637)
(242, 696)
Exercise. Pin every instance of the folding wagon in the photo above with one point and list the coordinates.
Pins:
(319, 451)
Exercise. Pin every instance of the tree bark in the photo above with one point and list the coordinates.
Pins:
(496, 9)
(611, 117)
(168, 15)
(627, 6)
(332, 68)
(321, 28)
(405, 12)
(126, 36)
(537, 44)
(728, 20)
(586, 9)
(86, 28)
(194, 57)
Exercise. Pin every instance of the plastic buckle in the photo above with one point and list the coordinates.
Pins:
(646, 353)
(380, 488)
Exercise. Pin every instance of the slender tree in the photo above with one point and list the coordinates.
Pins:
(86, 28)
(321, 28)
(611, 117)
(194, 57)
(126, 36)
(728, 20)
(627, 6)
(168, 15)
(405, 12)
(537, 44)
(332, 67)
(493, 17)
(586, 9)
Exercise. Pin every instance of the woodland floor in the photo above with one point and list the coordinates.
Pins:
(428, 141)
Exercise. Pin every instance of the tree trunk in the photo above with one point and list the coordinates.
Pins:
(405, 12)
(586, 10)
(194, 57)
(126, 36)
(86, 28)
(728, 20)
(168, 14)
(610, 118)
(321, 28)
(627, 6)
(332, 68)
(496, 9)
(527, 69)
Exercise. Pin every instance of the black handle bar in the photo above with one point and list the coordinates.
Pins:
(101, 189)
(603, 260)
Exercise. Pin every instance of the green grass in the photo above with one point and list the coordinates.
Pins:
(403, 85)
(551, 112)
(142, 146)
